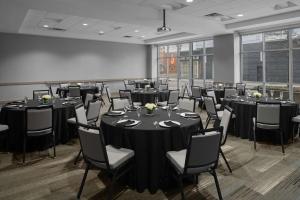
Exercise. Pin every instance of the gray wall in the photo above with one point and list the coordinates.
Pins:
(224, 58)
(25, 58)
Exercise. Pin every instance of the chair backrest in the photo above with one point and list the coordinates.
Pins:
(53, 88)
(173, 97)
(196, 91)
(108, 93)
(202, 151)
(39, 120)
(187, 103)
(210, 105)
(120, 103)
(211, 93)
(88, 98)
(163, 87)
(130, 87)
(93, 110)
(241, 87)
(100, 86)
(74, 91)
(268, 113)
(80, 114)
(125, 94)
(93, 146)
(189, 90)
(182, 91)
(229, 92)
(227, 114)
(37, 94)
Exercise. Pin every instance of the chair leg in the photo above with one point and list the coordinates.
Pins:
(111, 188)
(83, 181)
(217, 184)
(293, 135)
(222, 154)
(282, 145)
(77, 157)
(24, 148)
(181, 187)
(254, 138)
(298, 131)
(54, 145)
(207, 122)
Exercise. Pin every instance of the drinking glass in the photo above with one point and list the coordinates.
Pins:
(281, 95)
(138, 112)
(272, 93)
(169, 110)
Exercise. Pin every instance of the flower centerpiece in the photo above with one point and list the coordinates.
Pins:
(150, 107)
(46, 98)
(256, 94)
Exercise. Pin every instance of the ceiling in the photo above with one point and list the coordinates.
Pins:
(140, 19)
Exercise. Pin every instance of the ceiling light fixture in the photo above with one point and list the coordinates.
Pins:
(240, 15)
(84, 24)
(142, 36)
(46, 26)
(136, 31)
(189, 1)
(101, 33)
(164, 28)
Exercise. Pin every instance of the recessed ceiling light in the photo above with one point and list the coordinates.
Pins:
(101, 32)
(142, 36)
(240, 15)
(84, 24)
(46, 26)
(189, 1)
(136, 31)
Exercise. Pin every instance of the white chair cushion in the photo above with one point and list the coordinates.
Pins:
(265, 126)
(296, 119)
(72, 120)
(220, 114)
(218, 106)
(177, 158)
(116, 157)
(163, 103)
(3, 127)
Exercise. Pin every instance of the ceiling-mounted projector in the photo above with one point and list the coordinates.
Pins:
(164, 28)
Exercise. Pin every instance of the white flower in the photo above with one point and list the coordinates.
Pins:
(150, 106)
(46, 96)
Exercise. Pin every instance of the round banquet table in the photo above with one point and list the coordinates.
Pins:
(245, 110)
(148, 96)
(62, 92)
(14, 117)
(150, 143)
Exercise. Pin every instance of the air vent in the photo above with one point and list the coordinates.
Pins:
(56, 29)
(219, 17)
(127, 36)
(287, 4)
(117, 27)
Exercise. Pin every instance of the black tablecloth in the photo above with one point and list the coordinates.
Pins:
(245, 111)
(150, 144)
(15, 119)
(83, 91)
(145, 96)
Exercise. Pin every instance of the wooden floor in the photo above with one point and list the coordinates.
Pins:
(262, 174)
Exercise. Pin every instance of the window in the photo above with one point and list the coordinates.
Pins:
(186, 61)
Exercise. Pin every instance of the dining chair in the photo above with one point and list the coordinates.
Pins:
(213, 94)
(99, 95)
(228, 92)
(172, 99)
(189, 90)
(200, 156)
(127, 94)
(227, 116)
(182, 91)
(211, 110)
(88, 98)
(163, 87)
(241, 87)
(120, 103)
(268, 118)
(93, 111)
(114, 161)
(53, 89)
(74, 91)
(39, 122)
(80, 117)
(4, 131)
(37, 94)
(130, 87)
(296, 121)
(187, 104)
(197, 95)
